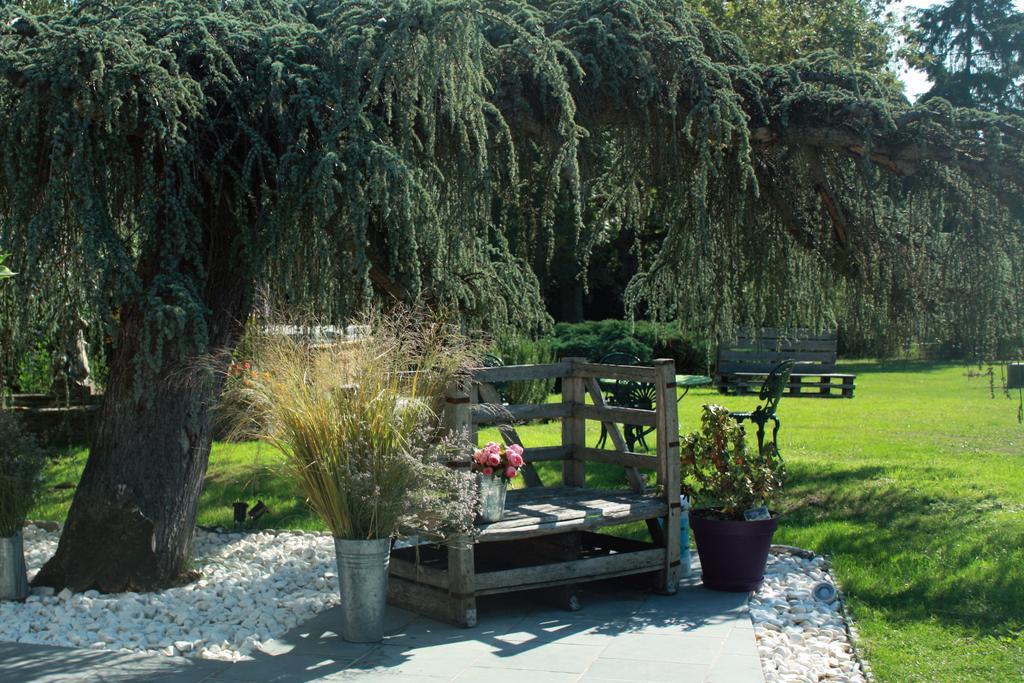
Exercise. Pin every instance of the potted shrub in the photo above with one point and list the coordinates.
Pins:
(731, 485)
(21, 462)
(357, 425)
(494, 465)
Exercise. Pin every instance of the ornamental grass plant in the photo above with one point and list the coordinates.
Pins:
(358, 421)
(721, 473)
(21, 464)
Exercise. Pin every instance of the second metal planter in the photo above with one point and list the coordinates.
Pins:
(363, 580)
(13, 579)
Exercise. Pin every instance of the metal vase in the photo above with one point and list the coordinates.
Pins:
(363, 580)
(13, 578)
(492, 497)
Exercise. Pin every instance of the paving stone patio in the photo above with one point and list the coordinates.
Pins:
(623, 633)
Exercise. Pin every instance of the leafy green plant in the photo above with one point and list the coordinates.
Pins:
(524, 351)
(21, 465)
(357, 421)
(722, 473)
(35, 369)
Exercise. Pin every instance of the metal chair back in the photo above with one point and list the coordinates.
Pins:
(620, 358)
(775, 385)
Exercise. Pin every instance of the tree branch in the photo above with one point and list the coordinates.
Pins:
(901, 158)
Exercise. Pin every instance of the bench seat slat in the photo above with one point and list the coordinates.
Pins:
(532, 512)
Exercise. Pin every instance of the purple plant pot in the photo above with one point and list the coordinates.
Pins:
(732, 553)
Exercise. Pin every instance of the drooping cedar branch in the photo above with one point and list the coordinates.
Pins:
(829, 201)
(897, 154)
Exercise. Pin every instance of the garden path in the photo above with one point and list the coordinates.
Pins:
(621, 634)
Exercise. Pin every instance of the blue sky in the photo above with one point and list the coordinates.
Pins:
(915, 81)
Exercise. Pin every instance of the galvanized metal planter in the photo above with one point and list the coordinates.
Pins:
(13, 579)
(363, 581)
(492, 497)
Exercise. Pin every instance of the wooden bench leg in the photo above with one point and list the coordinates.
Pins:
(826, 386)
(462, 581)
(667, 581)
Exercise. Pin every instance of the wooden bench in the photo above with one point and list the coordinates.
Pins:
(547, 537)
(744, 362)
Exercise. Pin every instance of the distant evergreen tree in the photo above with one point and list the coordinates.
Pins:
(973, 52)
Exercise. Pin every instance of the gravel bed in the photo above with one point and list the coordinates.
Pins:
(254, 587)
(799, 636)
(257, 586)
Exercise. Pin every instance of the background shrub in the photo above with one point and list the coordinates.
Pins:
(524, 351)
(595, 339)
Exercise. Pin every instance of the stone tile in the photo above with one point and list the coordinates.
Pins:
(564, 629)
(745, 623)
(736, 669)
(476, 674)
(711, 626)
(317, 643)
(698, 601)
(288, 668)
(741, 642)
(188, 677)
(26, 663)
(605, 669)
(377, 677)
(427, 632)
(549, 657)
(681, 648)
(445, 660)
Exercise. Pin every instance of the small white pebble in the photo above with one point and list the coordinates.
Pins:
(800, 638)
(253, 587)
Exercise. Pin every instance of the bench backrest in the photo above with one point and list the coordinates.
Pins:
(813, 352)
(475, 403)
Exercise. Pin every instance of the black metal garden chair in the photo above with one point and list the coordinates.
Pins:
(771, 393)
(627, 394)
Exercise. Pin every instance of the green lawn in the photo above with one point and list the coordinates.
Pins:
(913, 488)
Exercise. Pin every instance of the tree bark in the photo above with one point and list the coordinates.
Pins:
(131, 521)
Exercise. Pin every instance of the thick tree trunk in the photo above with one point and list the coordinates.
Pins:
(131, 522)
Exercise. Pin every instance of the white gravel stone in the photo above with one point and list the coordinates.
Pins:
(254, 587)
(800, 638)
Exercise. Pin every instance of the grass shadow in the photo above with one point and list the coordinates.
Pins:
(909, 565)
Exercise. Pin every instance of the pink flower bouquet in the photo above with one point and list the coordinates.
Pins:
(496, 460)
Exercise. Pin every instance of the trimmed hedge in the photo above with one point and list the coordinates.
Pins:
(595, 339)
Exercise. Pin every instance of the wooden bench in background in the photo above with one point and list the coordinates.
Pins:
(548, 536)
(744, 362)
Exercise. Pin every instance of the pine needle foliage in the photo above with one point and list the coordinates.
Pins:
(467, 151)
